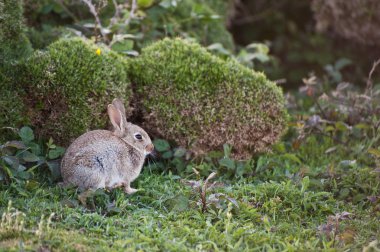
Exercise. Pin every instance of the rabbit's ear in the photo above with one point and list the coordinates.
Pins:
(116, 118)
(120, 106)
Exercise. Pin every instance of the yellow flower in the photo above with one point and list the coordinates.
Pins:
(98, 51)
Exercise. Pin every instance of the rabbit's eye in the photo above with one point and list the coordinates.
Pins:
(138, 136)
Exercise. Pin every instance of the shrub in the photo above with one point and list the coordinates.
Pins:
(69, 86)
(19, 159)
(205, 21)
(199, 100)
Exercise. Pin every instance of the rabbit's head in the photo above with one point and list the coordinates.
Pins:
(126, 131)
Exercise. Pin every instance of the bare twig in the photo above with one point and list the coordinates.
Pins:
(63, 6)
(117, 12)
(320, 108)
(132, 12)
(116, 16)
(203, 190)
(94, 12)
(369, 81)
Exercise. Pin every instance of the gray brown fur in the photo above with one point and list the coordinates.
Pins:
(107, 159)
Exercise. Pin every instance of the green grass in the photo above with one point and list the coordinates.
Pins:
(164, 216)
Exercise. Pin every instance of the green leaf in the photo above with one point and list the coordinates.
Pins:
(259, 47)
(167, 154)
(50, 142)
(31, 185)
(280, 147)
(344, 193)
(240, 169)
(23, 175)
(15, 144)
(305, 184)
(145, 3)
(56, 153)
(260, 57)
(341, 63)
(12, 161)
(215, 154)
(54, 168)
(362, 126)
(341, 126)
(122, 45)
(292, 157)
(168, 3)
(359, 198)
(375, 152)
(21, 168)
(178, 203)
(26, 134)
(7, 171)
(227, 162)
(46, 9)
(179, 164)
(218, 47)
(29, 157)
(227, 149)
(161, 145)
(21, 191)
(179, 152)
(34, 148)
(112, 209)
(329, 128)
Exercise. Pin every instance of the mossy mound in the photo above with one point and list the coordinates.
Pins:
(199, 100)
(69, 86)
(13, 41)
(12, 110)
(14, 46)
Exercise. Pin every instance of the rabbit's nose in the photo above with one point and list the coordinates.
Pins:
(149, 148)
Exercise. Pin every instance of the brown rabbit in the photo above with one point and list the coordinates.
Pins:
(107, 159)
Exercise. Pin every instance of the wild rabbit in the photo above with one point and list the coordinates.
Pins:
(107, 159)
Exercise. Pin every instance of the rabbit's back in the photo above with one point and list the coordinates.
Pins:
(94, 160)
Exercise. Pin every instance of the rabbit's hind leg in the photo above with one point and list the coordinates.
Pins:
(88, 180)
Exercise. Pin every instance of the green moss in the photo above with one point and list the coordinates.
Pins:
(11, 108)
(199, 100)
(13, 42)
(69, 86)
(14, 46)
